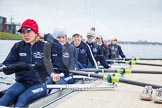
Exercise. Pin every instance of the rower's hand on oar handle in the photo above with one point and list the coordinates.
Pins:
(18, 67)
(56, 77)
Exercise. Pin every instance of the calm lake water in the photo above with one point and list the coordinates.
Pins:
(142, 51)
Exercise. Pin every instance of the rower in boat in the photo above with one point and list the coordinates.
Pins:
(30, 84)
(115, 49)
(84, 53)
(96, 50)
(66, 58)
(104, 48)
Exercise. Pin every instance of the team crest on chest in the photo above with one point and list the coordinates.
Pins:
(94, 49)
(82, 51)
(38, 55)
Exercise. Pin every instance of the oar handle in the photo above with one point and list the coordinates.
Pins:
(15, 68)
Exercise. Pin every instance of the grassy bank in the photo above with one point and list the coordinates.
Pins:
(9, 36)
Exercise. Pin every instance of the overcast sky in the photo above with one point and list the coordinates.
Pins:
(129, 20)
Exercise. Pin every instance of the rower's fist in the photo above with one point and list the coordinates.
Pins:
(41, 35)
(56, 77)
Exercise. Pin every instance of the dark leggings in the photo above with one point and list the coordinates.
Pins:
(23, 93)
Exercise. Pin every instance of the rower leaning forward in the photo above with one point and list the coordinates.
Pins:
(62, 59)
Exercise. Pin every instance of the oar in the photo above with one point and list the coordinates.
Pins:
(132, 82)
(14, 68)
(114, 79)
(107, 78)
(134, 62)
(5, 83)
(136, 58)
(122, 71)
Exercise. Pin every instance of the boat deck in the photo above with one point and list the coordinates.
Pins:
(124, 96)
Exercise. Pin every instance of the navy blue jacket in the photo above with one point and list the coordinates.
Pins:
(105, 51)
(29, 54)
(63, 57)
(69, 56)
(98, 54)
(56, 51)
(84, 54)
(115, 51)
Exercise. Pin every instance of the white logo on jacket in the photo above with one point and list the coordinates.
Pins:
(82, 51)
(94, 49)
(23, 54)
(66, 55)
(54, 55)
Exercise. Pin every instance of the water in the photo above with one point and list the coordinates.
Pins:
(5, 47)
(142, 51)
